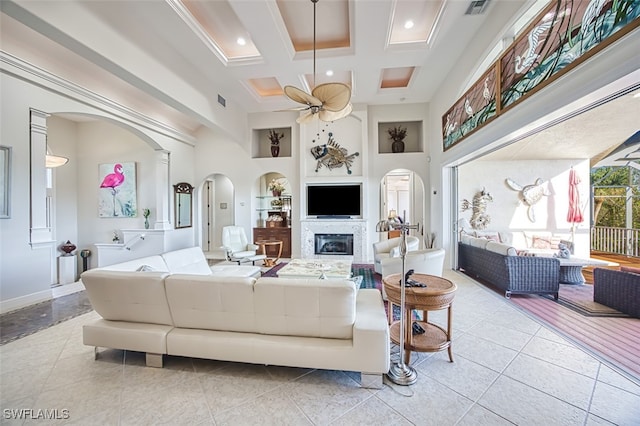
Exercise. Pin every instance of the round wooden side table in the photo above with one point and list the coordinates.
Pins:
(438, 294)
(270, 261)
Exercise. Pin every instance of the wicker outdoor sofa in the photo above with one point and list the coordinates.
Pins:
(504, 269)
(619, 290)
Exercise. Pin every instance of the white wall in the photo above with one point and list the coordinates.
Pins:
(26, 270)
(614, 69)
(509, 215)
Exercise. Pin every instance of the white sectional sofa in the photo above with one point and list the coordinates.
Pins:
(308, 323)
(185, 261)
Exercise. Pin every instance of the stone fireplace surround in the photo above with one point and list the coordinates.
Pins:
(357, 227)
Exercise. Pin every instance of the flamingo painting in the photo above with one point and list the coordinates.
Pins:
(117, 184)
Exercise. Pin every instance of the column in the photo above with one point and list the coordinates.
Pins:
(40, 229)
(163, 191)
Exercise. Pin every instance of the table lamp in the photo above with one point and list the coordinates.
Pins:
(400, 373)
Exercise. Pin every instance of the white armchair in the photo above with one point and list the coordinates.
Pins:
(428, 261)
(237, 246)
(391, 248)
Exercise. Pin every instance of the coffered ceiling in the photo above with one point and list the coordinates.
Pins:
(180, 61)
(189, 53)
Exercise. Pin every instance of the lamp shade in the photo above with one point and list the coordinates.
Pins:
(52, 161)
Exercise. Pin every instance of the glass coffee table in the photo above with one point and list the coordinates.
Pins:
(316, 268)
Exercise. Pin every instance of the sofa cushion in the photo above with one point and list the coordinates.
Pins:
(187, 261)
(489, 235)
(211, 302)
(478, 242)
(236, 271)
(128, 296)
(466, 239)
(156, 263)
(305, 307)
(503, 249)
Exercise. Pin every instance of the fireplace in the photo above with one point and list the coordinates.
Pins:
(335, 244)
(355, 227)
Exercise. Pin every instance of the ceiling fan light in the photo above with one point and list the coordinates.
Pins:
(52, 161)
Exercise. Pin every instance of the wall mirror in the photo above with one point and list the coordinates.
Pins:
(184, 214)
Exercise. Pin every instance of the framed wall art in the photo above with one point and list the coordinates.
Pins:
(117, 190)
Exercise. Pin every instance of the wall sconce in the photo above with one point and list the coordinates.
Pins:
(52, 161)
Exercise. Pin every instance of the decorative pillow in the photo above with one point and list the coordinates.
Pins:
(489, 235)
(630, 269)
(545, 242)
(145, 268)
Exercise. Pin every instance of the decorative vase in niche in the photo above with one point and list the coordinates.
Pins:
(275, 150)
(146, 223)
(67, 248)
(397, 145)
(276, 193)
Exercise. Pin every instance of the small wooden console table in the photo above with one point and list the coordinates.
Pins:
(438, 294)
(270, 261)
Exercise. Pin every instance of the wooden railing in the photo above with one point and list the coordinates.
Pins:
(624, 241)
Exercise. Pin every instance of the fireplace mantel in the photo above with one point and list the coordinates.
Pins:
(357, 227)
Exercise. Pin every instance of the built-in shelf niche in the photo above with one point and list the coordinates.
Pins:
(261, 145)
(413, 142)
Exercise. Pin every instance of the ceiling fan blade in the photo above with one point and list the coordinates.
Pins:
(326, 115)
(306, 118)
(300, 96)
(300, 108)
(334, 96)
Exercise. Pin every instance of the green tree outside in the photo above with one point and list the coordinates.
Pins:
(610, 186)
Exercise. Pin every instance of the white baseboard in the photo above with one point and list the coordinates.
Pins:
(23, 301)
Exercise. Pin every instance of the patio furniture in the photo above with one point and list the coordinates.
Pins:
(617, 289)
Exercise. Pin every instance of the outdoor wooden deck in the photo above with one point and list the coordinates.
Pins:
(620, 259)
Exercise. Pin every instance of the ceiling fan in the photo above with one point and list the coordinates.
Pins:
(328, 101)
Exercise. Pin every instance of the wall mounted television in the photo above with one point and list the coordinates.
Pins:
(334, 201)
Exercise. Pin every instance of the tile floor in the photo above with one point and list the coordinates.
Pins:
(508, 369)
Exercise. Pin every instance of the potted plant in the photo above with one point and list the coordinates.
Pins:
(397, 135)
(276, 187)
(275, 137)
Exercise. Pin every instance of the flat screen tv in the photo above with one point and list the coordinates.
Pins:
(327, 201)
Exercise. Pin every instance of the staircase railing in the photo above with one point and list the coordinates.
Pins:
(623, 241)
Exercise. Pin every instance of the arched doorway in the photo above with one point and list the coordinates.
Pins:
(402, 194)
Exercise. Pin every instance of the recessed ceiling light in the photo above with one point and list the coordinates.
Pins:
(241, 41)
(329, 73)
(408, 25)
(637, 95)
